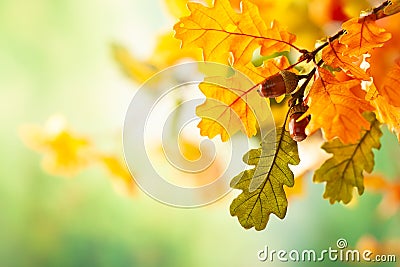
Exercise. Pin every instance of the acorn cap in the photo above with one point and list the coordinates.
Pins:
(299, 108)
(291, 80)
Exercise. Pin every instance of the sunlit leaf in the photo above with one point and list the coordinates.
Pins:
(388, 114)
(363, 35)
(254, 205)
(335, 55)
(266, 69)
(344, 170)
(226, 36)
(232, 104)
(337, 107)
(390, 88)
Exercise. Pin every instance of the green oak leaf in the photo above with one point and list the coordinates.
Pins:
(344, 170)
(254, 205)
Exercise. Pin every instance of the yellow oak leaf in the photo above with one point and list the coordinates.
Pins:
(363, 35)
(335, 55)
(232, 104)
(391, 85)
(226, 36)
(337, 107)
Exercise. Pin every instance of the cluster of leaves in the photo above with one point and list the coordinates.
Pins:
(341, 94)
(347, 100)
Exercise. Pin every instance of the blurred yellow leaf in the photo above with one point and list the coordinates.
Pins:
(189, 150)
(137, 70)
(178, 8)
(64, 152)
(166, 53)
(298, 189)
(122, 179)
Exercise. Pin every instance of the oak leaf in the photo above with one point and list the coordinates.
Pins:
(344, 170)
(388, 114)
(391, 85)
(266, 69)
(363, 35)
(337, 107)
(335, 55)
(226, 36)
(385, 112)
(255, 204)
(232, 104)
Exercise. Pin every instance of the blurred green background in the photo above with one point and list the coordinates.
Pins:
(55, 58)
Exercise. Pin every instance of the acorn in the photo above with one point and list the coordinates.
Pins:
(297, 129)
(284, 82)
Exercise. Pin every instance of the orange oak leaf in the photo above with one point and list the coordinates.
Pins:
(363, 35)
(341, 103)
(385, 112)
(391, 85)
(232, 104)
(226, 36)
(268, 68)
(388, 114)
(335, 55)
